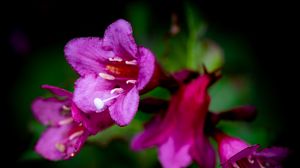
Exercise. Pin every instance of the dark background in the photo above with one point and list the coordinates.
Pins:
(266, 26)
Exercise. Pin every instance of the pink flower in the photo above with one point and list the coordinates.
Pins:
(179, 133)
(65, 134)
(113, 71)
(235, 153)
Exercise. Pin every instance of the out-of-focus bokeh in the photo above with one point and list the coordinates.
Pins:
(237, 35)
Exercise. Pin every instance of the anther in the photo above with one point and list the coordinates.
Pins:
(117, 59)
(65, 121)
(131, 81)
(132, 62)
(65, 108)
(60, 147)
(106, 76)
(116, 90)
(76, 134)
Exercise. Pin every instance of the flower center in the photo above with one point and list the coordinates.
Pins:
(75, 131)
(119, 69)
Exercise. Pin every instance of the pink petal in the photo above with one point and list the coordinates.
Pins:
(203, 152)
(93, 122)
(86, 55)
(146, 63)
(55, 145)
(278, 153)
(229, 146)
(154, 134)
(125, 107)
(244, 153)
(58, 91)
(87, 89)
(49, 110)
(172, 156)
(118, 37)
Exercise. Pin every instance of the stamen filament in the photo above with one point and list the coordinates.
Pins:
(250, 160)
(76, 134)
(235, 165)
(260, 165)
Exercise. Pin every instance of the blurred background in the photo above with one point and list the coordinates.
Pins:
(249, 39)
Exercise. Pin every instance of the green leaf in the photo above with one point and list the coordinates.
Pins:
(213, 57)
(196, 30)
(139, 16)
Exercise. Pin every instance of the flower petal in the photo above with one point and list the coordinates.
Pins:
(231, 148)
(172, 156)
(125, 107)
(239, 155)
(89, 88)
(118, 37)
(86, 55)
(273, 153)
(203, 153)
(58, 91)
(49, 110)
(54, 143)
(93, 122)
(146, 62)
(154, 134)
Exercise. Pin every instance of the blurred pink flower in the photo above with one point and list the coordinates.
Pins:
(235, 153)
(65, 135)
(179, 133)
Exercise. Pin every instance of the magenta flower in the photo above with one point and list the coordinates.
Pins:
(64, 137)
(113, 70)
(179, 133)
(235, 153)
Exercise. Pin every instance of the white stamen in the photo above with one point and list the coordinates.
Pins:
(115, 59)
(235, 165)
(250, 160)
(106, 76)
(116, 90)
(260, 165)
(132, 62)
(60, 147)
(65, 121)
(72, 154)
(99, 103)
(65, 108)
(76, 134)
(131, 81)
